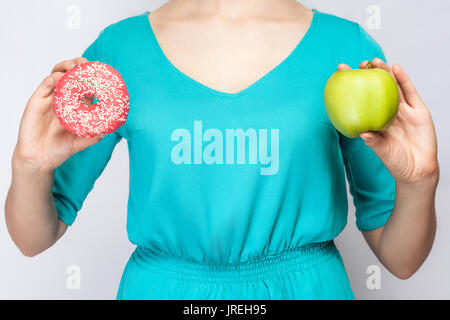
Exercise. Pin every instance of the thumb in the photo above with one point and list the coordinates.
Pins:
(379, 144)
(81, 143)
(373, 140)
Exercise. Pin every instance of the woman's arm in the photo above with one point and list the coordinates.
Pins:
(42, 146)
(29, 209)
(404, 243)
(408, 149)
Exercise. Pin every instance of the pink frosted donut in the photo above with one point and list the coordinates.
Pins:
(91, 79)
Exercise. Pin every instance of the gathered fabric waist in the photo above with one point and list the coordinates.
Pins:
(271, 265)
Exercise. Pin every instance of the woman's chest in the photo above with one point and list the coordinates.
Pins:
(182, 123)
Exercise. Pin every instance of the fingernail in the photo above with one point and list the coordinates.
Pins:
(365, 137)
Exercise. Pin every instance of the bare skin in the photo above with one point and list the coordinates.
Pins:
(42, 146)
(408, 149)
(195, 35)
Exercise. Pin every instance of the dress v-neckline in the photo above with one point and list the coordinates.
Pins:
(300, 45)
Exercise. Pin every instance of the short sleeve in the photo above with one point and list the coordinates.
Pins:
(75, 178)
(95, 51)
(369, 48)
(371, 185)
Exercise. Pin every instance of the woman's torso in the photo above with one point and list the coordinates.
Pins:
(227, 177)
(242, 185)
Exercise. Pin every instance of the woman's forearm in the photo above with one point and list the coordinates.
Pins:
(30, 210)
(408, 149)
(42, 145)
(408, 236)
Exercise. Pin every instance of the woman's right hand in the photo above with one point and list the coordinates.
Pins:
(43, 143)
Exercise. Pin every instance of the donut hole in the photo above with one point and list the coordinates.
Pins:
(88, 101)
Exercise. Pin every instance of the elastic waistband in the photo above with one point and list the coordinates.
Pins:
(291, 260)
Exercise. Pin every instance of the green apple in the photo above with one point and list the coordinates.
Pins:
(361, 100)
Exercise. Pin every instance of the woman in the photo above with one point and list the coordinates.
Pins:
(237, 177)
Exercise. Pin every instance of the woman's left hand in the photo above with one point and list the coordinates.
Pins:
(408, 147)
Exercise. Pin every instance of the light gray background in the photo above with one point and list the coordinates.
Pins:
(37, 34)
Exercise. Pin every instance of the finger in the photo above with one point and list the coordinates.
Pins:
(375, 141)
(378, 63)
(66, 65)
(363, 65)
(46, 87)
(343, 67)
(80, 60)
(81, 143)
(407, 87)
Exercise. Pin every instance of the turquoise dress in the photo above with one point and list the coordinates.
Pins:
(234, 195)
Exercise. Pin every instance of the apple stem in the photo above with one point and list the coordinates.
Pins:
(369, 64)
